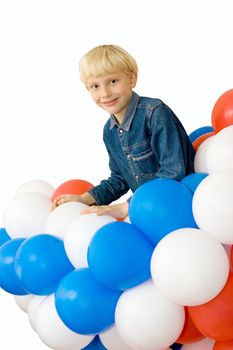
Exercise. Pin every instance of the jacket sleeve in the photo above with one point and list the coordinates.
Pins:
(170, 144)
(112, 188)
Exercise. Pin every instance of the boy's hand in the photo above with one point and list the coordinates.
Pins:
(64, 198)
(85, 198)
(115, 210)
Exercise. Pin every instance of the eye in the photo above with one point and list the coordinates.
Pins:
(94, 86)
(113, 81)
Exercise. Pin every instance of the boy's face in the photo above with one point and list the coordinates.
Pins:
(112, 92)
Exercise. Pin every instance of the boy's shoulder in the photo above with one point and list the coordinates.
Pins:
(149, 102)
(142, 106)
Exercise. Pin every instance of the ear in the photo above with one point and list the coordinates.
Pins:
(133, 80)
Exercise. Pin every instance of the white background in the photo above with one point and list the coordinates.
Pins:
(51, 130)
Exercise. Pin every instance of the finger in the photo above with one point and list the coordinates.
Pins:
(90, 210)
(93, 209)
(103, 211)
(54, 204)
(60, 201)
(61, 196)
(56, 201)
(100, 213)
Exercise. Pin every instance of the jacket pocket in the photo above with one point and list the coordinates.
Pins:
(143, 159)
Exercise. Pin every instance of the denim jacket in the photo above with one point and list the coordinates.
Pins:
(150, 143)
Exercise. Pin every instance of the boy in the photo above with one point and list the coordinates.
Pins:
(143, 137)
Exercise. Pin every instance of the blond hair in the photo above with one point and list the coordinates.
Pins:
(106, 59)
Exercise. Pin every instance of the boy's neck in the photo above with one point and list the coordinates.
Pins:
(121, 115)
(119, 119)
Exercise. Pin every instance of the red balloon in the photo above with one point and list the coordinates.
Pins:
(72, 187)
(196, 143)
(223, 345)
(222, 113)
(215, 318)
(189, 334)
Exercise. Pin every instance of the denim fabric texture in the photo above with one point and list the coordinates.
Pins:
(150, 143)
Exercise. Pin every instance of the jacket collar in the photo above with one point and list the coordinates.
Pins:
(130, 111)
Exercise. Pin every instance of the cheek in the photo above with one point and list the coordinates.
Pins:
(94, 97)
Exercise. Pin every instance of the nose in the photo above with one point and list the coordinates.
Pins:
(105, 91)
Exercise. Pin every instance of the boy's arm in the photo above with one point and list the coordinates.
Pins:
(112, 188)
(171, 144)
(105, 193)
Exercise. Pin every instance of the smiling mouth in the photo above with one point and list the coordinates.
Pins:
(110, 103)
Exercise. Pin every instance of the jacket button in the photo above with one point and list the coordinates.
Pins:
(121, 131)
(128, 156)
(136, 177)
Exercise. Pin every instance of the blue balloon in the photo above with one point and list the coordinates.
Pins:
(83, 304)
(176, 346)
(8, 278)
(93, 345)
(193, 180)
(40, 263)
(4, 237)
(119, 256)
(101, 346)
(160, 206)
(96, 344)
(200, 131)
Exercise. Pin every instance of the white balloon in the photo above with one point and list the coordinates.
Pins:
(22, 301)
(213, 205)
(219, 153)
(33, 307)
(36, 186)
(199, 160)
(59, 219)
(79, 234)
(112, 340)
(53, 332)
(146, 319)
(189, 266)
(204, 344)
(26, 214)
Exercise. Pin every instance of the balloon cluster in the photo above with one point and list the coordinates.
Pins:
(160, 278)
